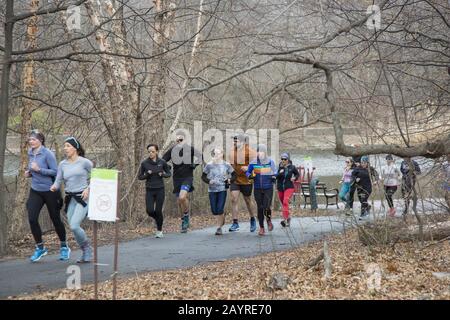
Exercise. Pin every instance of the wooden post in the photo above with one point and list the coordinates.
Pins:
(95, 262)
(116, 240)
(327, 261)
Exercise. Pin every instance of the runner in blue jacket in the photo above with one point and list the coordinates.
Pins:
(263, 171)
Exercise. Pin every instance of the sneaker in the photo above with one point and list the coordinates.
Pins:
(159, 234)
(38, 254)
(363, 215)
(234, 227)
(285, 222)
(348, 211)
(261, 232)
(64, 253)
(252, 224)
(86, 255)
(391, 212)
(219, 232)
(269, 225)
(184, 223)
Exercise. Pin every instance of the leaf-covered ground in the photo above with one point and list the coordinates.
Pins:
(404, 271)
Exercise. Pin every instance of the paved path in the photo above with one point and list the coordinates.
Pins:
(172, 252)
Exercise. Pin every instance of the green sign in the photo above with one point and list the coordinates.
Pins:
(104, 174)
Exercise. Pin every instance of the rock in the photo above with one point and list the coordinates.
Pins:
(279, 281)
(442, 275)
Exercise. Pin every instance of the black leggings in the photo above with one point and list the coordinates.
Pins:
(35, 203)
(263, 198)
(154, 201)
(363, 196)
(389, 192)
(408, 192)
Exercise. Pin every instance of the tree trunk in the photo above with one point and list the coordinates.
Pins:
(122, 90)
(425, 234)
(186, 82)
(327, 261)
(386, 233)
(4, 104)
(164, 31)
(16, 227)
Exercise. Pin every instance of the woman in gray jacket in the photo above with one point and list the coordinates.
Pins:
(75, 172)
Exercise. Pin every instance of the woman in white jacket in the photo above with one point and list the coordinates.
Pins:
(390, 175)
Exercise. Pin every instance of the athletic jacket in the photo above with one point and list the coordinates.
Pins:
(284, 178)
(263, 173)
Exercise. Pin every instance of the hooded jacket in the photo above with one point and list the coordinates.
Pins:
(365, 178)
(284, 178)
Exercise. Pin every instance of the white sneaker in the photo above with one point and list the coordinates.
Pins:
(159, 234)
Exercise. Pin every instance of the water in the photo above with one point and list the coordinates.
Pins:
(328, 164)
(11, 165)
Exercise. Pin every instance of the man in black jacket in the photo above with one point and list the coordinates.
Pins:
(363, 177)
(184, 159)
(408, 180)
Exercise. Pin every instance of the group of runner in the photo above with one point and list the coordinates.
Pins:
(359, 176)
(46, 180)
(243, 171)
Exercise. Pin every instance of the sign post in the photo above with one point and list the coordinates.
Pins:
(95, 262)
(116, 243)
(103, 206)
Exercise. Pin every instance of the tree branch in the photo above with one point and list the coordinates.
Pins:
(320, 120)
(330, 38)
(428, 149)
(64, 42)
(52, 106)
(58, 8)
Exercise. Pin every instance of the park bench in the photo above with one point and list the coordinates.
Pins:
(330, 195)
